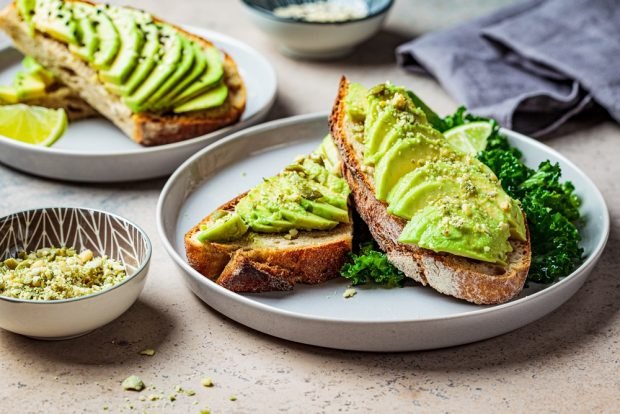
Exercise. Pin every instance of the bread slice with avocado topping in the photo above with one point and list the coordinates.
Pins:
(158, 83)
(261, 262)
(294, 227)
(465, 278)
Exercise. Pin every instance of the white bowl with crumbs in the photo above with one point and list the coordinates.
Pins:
(67, 271)
(318, 29)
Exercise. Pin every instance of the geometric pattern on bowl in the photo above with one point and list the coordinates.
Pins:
(81, 229)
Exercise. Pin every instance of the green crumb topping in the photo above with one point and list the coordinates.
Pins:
(58, 273)
(172, 397)
(190, 393)
(147, 352)
(205, 411)
(349, 293)
(206, 382)
(133, 383)
(154, 397)
(232, 398)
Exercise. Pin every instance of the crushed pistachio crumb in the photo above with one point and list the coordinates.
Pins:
(172, 397)
(190, 393)
(205, 411)
(206, 382)
(349, 293)
(147, 352)
(58, 273)
(154, 397)
(133, 383)
(232, 398)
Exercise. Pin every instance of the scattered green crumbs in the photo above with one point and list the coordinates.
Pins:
(133, 383)
(349, 293)
(206, 382)
(57, 273)
(232, 398)
(147, 352)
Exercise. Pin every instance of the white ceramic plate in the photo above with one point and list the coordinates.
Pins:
(411, 318)
(94, 150)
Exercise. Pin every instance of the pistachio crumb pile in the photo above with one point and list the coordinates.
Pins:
(58, 273)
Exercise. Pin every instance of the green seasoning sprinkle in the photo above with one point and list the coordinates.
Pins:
(133, 383)
(58, 273)
(206, 382)
(148, 352)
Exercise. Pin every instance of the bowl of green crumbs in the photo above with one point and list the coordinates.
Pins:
(66, 271)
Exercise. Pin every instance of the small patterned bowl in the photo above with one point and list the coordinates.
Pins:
(80, 228)
(316, 40)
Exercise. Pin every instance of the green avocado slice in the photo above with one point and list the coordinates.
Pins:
(210, 99)
(28, 86)
(184, 66)
(55, 18)
(212, 75)
(132, 40)
(170, 54)
(407, 155)
(200, 65)
(8, 95)
(88, 41)
(326, 211)
(109, 42)
(26, 9)
(225, 226)
(146, 61)
(305, 220)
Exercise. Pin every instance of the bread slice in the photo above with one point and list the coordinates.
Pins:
(145, 128)
(261, 262)
(463, 278)
(60, 96)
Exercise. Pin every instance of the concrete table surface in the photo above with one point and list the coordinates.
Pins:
(568, 361)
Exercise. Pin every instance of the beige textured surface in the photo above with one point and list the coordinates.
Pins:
(566, 362)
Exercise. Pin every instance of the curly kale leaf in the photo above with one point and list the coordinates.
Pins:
(551, 207)
(508, 168)
(372, 265)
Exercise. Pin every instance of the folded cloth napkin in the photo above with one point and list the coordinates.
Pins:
(532, 65)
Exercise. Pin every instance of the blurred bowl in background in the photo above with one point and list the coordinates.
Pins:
(300, 38)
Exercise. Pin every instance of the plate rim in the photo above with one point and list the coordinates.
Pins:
(175, 145)
(313, 117)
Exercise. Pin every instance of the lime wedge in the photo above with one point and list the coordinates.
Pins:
(32, 124)
(469, 138)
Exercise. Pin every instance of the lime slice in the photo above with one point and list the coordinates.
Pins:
(469, 138)
(32, 124)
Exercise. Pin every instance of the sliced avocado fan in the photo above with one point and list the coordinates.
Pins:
(150, 65)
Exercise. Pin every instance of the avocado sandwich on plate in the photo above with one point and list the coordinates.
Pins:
(427, 189)
(156, 82)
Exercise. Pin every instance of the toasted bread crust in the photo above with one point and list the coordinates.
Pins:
(463, 278)
(145, 128)
(254, 265)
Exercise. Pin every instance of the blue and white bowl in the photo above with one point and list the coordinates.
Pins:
(316, 40)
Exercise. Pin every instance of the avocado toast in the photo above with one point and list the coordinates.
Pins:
(405, 206)
(158, 83)
(291, 228)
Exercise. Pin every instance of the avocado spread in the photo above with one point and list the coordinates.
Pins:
(308, 195)
(149, 64)
(453, 202)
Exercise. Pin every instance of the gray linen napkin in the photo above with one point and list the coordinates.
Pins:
(531, 66)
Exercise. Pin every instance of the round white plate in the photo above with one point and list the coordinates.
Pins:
(411, 318)
(94, 150)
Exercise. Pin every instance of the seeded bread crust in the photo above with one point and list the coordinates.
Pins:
(463, 278)
(147, 129)
(262, 262)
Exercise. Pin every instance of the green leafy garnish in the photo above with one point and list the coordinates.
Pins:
(551, 207)
(372, 265)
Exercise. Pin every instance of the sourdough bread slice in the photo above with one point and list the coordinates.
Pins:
(463, 278)
(145, 128)
(261, 262)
